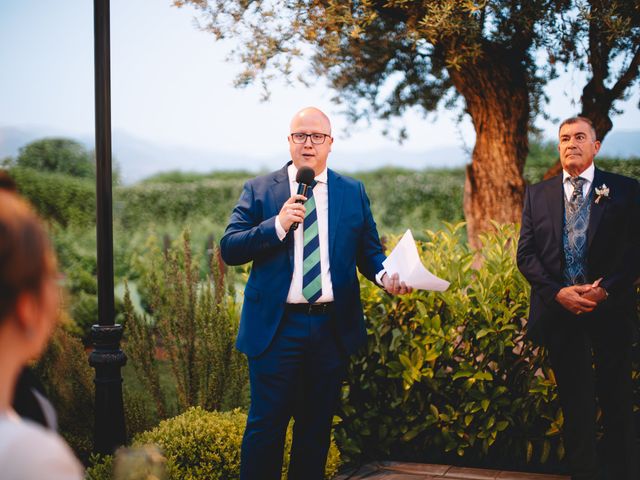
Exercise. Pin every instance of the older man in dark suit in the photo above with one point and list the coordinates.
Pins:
(580, 250)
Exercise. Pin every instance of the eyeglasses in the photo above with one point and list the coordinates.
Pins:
(316, 138)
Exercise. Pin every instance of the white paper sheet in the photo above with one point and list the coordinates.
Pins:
(405, 261)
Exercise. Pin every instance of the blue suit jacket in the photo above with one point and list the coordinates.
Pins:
(251, 237)
(613, 251)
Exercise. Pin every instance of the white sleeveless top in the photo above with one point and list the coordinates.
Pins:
(31, 452)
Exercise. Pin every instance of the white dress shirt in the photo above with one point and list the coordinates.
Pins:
(587, 175)
(321, 195)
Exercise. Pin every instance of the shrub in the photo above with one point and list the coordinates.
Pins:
(68, 380)
(200, 444)
(194, 321)
(447, 377)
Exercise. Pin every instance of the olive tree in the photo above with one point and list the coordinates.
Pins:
(490, 58)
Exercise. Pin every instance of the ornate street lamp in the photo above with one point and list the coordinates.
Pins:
(107, 358)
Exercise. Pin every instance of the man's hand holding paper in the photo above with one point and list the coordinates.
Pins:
(404, 261)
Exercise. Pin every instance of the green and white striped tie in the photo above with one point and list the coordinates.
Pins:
(311, 270)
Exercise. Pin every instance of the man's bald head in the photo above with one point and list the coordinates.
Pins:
(310, 121)
(311, 111)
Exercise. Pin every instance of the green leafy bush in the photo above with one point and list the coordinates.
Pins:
(447, 377)
(68, 380)
(200, 444)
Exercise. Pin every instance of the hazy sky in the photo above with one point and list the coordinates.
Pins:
(171, 85)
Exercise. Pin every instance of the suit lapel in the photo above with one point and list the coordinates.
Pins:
(597, 209)
(336, 190)
(554, 196)
(281, 191)
(280, 188)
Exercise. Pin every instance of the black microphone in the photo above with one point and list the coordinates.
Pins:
(304, 178)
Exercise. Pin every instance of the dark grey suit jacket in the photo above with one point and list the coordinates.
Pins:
(613, 243)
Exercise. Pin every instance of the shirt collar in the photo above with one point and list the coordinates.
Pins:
(587, 174)
(292, 171)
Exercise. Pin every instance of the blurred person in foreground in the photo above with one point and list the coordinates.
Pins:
(580, 250)
(302, 314)
(29, 300)
(29, 400)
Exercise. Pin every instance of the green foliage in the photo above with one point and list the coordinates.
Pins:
(68, 380)
(447, 376)
(101, 468)
(139, 417)
(189, 177)
(177, 202)
(195, 322)
(629, 167)
(200, 444)
(426, 198)
(141, 349)
(59, 155)
(59, 198)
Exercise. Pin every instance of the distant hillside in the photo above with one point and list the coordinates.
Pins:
(139, 159)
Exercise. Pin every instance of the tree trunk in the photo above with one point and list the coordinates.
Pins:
(494, 185)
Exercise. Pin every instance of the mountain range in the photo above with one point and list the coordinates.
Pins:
(138, 158)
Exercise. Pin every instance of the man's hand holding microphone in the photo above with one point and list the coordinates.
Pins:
(293, 211)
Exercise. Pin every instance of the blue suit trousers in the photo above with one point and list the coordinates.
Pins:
(299, 376)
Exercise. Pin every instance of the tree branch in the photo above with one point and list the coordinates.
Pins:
(627, 77)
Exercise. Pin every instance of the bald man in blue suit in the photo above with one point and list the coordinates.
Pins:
(302, 316)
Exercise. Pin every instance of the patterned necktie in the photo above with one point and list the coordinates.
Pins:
(311, 271)
(575, 234)
(576, 197)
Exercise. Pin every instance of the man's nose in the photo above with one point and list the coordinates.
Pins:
(308, 142)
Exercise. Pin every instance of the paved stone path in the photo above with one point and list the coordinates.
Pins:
(421, 471)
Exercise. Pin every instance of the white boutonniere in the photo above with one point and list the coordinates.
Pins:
(602, 192)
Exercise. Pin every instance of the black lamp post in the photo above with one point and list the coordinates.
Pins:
(107, 358)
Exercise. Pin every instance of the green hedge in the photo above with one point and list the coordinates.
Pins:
(202, 445)
(426, 198)
(66, 200)
(447, 377)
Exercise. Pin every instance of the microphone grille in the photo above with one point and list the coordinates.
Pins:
(305, 175)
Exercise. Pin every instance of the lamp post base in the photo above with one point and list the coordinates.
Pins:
(108, 359)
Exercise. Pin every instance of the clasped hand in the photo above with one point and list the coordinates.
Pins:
(580, 299)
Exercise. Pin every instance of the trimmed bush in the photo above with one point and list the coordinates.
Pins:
(447, 377)
(59, 198)
(200, 444)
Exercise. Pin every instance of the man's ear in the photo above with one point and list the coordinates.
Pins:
(596, 147)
